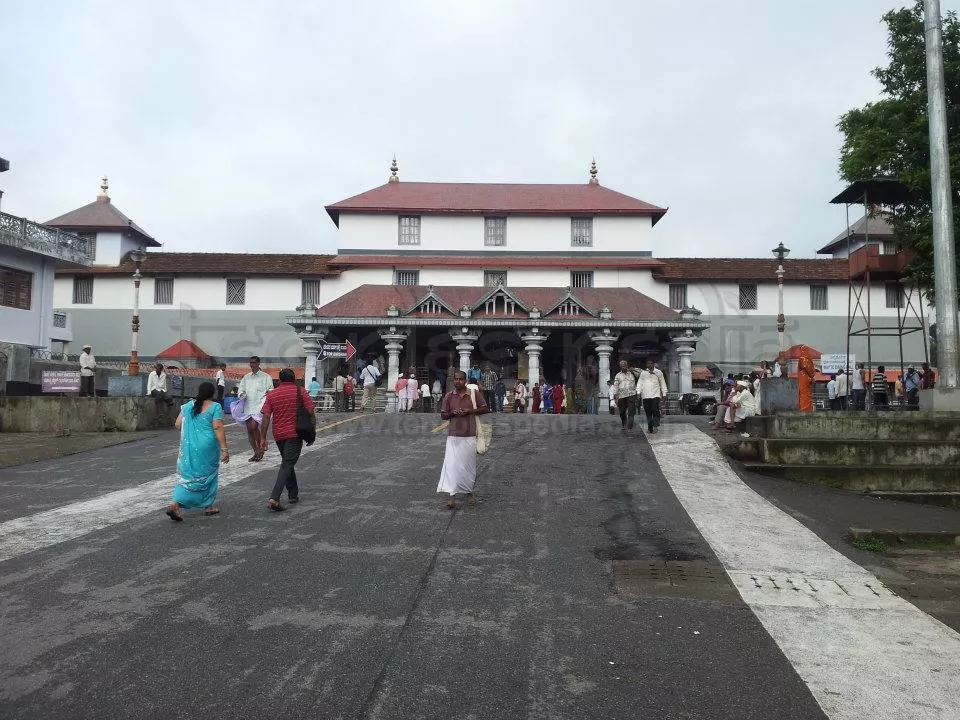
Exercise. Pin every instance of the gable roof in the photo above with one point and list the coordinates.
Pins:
(372, 301)
(100, 215)
(875, 227)
(219, 265)
(494, 198)
(184, 349)
(751, 269)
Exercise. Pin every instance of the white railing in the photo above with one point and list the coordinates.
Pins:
(26, 235)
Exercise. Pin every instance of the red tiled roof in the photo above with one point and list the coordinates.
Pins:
(755, 269)
(101, 214)
(184, 349)
(220, 265)
(373, 301)
(494, 198)
(502, 260)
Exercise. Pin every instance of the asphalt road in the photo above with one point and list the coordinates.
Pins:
(370, 600)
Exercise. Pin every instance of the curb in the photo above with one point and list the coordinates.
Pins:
(896, 537)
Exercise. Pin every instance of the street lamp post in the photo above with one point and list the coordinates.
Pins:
(138, 256)
(781, 253)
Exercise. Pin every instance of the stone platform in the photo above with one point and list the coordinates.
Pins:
(61, 415)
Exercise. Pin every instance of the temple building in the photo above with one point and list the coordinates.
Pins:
(530, 278)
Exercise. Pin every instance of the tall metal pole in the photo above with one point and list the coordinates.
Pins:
(135, 324)
(944, 254)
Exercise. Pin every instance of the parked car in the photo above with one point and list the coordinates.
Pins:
(703, 400)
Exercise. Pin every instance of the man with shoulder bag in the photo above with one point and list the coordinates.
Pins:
(293, 413)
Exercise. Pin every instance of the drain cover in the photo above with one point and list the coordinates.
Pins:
(656, 577)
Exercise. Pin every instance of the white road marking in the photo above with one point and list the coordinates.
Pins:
(863, 651)
(69, 522)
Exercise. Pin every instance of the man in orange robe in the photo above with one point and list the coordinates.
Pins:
(805, 375)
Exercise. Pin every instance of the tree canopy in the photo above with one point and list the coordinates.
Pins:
(890, 138)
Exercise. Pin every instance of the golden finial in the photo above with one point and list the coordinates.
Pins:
(593, 173)
(393, 171)
(104, 186)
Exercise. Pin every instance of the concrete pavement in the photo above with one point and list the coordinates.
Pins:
(578, 587)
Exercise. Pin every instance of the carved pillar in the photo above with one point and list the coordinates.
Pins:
(603, 342)
(394, 339)
(312, 345)
(684, 346)
(533, 340)
(465, 341)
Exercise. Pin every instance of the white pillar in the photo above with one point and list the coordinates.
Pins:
(464, 340)
(394, 340)
(684, 346)
(534, 346)
(603, 342)
(312, 344)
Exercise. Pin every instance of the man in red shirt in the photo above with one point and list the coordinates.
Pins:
(459, 472)
(281, 406)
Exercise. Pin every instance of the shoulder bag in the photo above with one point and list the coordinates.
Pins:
(306, 421)
(484, 430)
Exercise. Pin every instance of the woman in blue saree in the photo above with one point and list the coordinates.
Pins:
(203, 446)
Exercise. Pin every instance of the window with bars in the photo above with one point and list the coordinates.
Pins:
(818, 297)
(409, 230)
(310, 292)
(748, 297)
(82, 290)
(16, 288)
(581, 278)
(492, 278)
(407, 277)
(495, 231)
(163, 291)
(678, 297)
(236, 291)
(89, 243)
(581, 232)
(894, 295)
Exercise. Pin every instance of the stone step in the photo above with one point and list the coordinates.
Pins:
(867, 478)
(901, 452)
(899, 425)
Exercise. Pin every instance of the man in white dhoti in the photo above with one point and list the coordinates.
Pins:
(459, 471)
(253, 390)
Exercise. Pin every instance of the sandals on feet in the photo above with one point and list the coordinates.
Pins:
(211, 511)
(174, 514)
(275, 506)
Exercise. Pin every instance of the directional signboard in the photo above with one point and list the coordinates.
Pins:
(60, 381)
(343, 351)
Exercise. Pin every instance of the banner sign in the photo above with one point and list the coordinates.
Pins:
(60, 381)
(830, 364)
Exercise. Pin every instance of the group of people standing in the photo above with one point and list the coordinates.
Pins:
(630, 385)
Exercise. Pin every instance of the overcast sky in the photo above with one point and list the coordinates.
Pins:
(228, 126)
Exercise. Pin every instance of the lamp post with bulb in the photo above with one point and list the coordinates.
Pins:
(781, 253)
(138, 256)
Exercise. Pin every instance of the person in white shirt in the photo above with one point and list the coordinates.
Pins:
(253, 391)
(413, 390)
(612, 394)
(339, 398)
(369, 376)
(437, 393)
(832, 392)
(652, 390)
(157, 384)
(88, 375)
(425, 397)
(842, 390)
(520, 397)
(857, 388)
(221, 382)
(625, 391)
(741, 404)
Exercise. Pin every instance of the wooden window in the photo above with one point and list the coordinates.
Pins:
(748, 297)
(818, 297)
(581, 279)
(495, 231)
(310, 292)
(82, 290)
(236, 291)
(492, 278)
(407, 277)
(16, 288)
(409, 230)
(581, 232)
(678, 297)
(163, 291)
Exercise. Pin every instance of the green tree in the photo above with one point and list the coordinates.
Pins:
(890, 138)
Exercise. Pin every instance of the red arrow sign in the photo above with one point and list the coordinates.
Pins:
(351, 350)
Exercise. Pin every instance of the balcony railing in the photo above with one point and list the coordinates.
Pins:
(26, 235)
